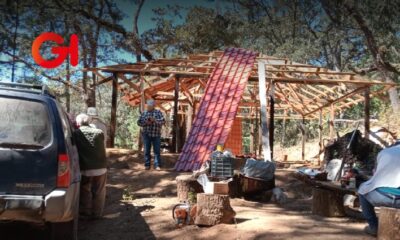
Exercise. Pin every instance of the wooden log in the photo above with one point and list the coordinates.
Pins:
(213, 209)
(327, 203)
(187, 185)
(113, 118)
(389, 224)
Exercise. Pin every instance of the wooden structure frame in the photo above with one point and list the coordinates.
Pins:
(299, 91)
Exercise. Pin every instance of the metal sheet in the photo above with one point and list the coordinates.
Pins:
(218, 107)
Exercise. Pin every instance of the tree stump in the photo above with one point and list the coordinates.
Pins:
(389, 224)
(213, 209)
(327, 203)
(186, 184)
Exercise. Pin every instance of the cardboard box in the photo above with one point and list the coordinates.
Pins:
(217, 188)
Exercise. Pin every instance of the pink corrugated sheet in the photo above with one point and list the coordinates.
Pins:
(218, 107)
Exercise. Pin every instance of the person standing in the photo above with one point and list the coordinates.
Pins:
(93, 165)
(383, 189)
(151, 122)
(97, 122)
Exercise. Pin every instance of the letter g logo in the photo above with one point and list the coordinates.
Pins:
(61, 51)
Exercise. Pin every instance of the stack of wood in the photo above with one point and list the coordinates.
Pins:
(362, 151)
(211, 209)
(187, 188)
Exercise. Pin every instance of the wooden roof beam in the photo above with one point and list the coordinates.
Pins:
(337, 100)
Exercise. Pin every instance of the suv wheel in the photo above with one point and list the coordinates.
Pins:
(64, 231)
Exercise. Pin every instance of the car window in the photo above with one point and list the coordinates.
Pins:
(24, 122)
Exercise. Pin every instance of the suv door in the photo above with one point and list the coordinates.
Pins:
(28, 147)
(71, 148)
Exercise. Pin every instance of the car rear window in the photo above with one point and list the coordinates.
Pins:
(24, 122)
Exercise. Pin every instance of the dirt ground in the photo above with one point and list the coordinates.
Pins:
(139, 206)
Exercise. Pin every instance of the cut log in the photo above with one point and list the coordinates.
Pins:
(327, 203)
(187, 186)
(389, 224)
(213, 209)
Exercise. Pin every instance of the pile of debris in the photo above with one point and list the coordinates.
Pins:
(361, 153)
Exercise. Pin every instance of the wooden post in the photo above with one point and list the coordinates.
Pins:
(256, 134)
(175, 128)
(283, 128)
(331, 123)
(266, 147)
(303, 139)
(271, 124)
(320, 143)
(189, 119)
(259, 136)
(113, 121)
(142, 100)
(181, 132)
(367, 111)
(252, 133)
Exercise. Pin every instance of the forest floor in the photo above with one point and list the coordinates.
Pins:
(139, 206)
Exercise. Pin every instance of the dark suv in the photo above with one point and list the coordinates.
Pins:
(39, 165)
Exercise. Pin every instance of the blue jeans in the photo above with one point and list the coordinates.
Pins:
(156, 142)
(376, 199)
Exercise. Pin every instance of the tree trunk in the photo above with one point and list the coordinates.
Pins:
(393, 95)
(213, 209)
(327, 203)
(67, 89)
(389, 224)
(15, 42)
(187, 185)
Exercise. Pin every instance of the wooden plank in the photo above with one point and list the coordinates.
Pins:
(283, 95)
(309, 72)
(347, 95)
(320, 141)
(175, 129)
(263, 107)
(322, 81)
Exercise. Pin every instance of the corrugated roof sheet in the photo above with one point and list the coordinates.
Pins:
(218, 107)
(235, 138)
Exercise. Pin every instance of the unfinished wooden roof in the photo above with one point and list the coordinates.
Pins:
(300, 90)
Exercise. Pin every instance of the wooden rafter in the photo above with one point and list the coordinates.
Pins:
(304, 88)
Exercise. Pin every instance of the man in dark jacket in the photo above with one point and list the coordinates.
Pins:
(93, 164)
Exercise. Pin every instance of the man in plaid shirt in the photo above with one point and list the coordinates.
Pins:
(151, 122)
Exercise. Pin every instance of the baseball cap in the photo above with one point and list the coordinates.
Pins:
(150, 102)
(92, 111)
